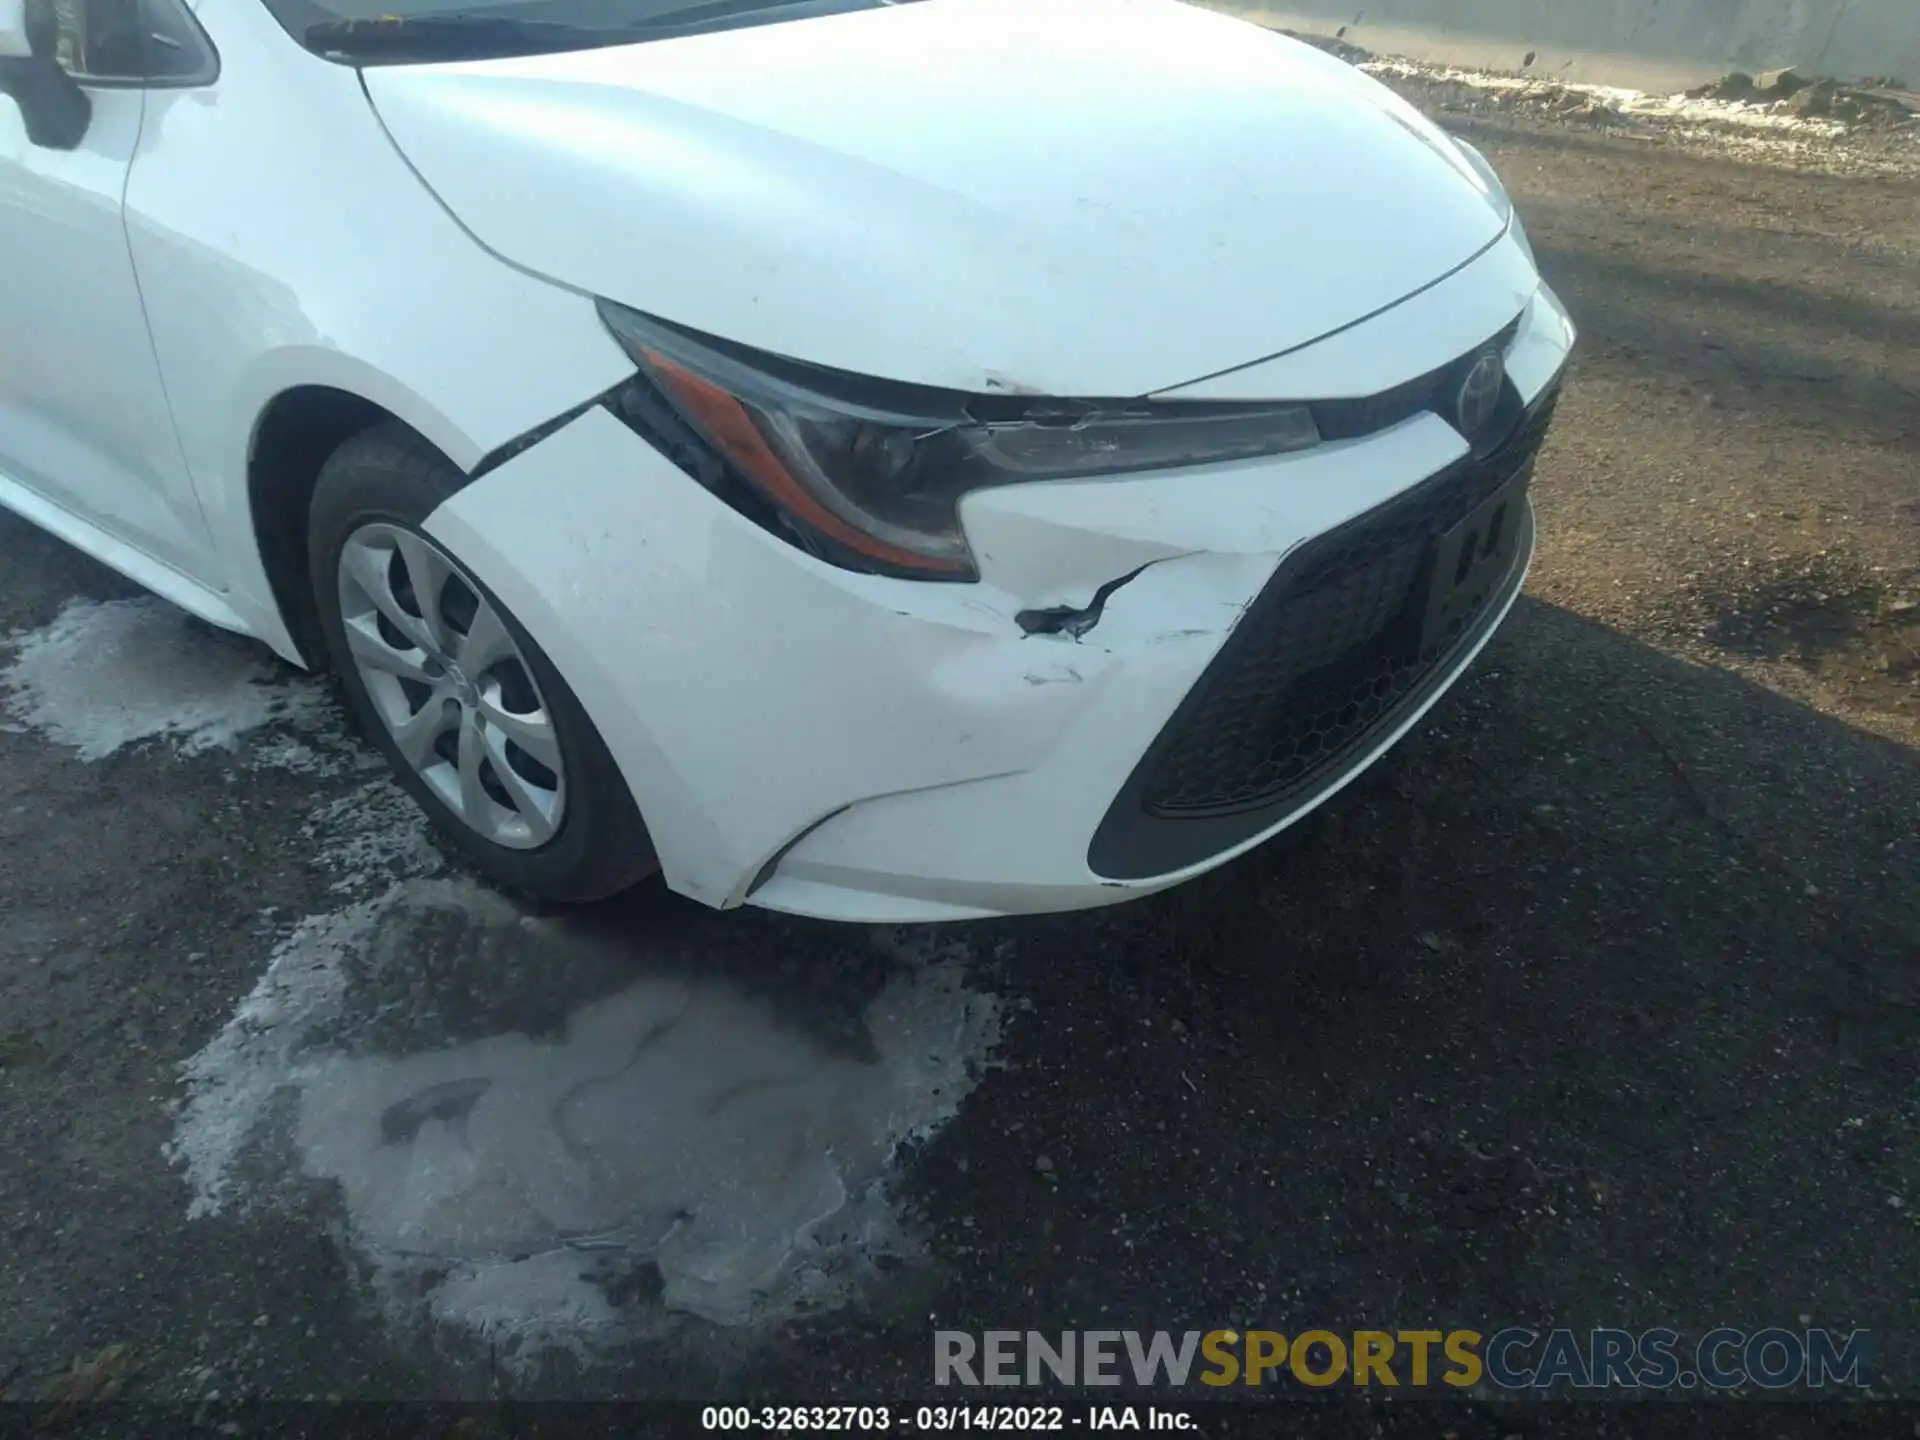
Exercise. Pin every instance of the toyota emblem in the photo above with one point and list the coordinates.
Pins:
(1480, 393)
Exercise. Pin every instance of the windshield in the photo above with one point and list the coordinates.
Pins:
(375, 32)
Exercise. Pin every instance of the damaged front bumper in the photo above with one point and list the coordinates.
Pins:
(863, 748)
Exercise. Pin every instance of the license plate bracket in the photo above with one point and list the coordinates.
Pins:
(1471, 559)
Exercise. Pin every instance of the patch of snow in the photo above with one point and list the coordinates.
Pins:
(109, 674)
(677, 1123)
(373, 834)
(546, 1301)
(322, 748)
(1682, 107)
(231, 1084)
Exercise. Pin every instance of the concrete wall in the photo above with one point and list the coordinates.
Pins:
(1647, 44)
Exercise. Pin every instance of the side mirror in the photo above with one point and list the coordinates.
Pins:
(55, 109)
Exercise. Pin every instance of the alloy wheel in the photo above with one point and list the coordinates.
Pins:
(450, 684)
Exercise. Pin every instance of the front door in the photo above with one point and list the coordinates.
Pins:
(84, 420)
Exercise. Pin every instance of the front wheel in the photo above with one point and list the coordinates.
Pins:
(477, 724)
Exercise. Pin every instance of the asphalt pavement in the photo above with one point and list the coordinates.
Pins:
(1597, 1004)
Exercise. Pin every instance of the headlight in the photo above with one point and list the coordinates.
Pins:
(869, 473)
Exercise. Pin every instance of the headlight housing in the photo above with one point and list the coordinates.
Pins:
(868, 474)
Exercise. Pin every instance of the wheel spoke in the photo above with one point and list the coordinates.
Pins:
(373, 652)
(369, 568)
(532, 732)
(415, 734)
(428, 573)
(474, 800)
(529, 799)
(486, 642)
(461, 651)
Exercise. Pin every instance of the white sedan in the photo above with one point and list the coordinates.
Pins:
(874, 461)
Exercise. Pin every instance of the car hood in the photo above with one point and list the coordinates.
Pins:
(1071, 197)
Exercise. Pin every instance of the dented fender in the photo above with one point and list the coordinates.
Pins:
(766, 708)
(1054, 543)
(747, 691)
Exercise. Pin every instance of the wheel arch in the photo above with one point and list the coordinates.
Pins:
(294, 432)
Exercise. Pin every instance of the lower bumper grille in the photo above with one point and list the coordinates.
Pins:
(1349, 635)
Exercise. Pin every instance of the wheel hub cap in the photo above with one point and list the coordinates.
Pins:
(451, 686)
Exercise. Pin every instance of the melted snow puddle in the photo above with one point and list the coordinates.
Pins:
(371, 836)
(674, 1131)
(108, 675)
(675, 1123)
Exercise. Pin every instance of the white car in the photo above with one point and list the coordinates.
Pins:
(887, 462)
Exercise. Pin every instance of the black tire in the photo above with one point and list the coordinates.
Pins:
(390, 474)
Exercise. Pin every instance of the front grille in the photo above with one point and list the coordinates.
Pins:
(1434, 391)
(1329, 652)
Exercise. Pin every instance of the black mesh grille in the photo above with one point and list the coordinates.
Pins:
(1338, 639)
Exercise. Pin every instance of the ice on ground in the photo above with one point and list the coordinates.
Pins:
(1684, 108)
(676, 1122)
(108, 674)
(322, 749)
(1753, 129)
(232, 1083)
(371, 836)
(677, 1133)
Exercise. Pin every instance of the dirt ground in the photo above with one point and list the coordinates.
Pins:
(1597, 1004)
